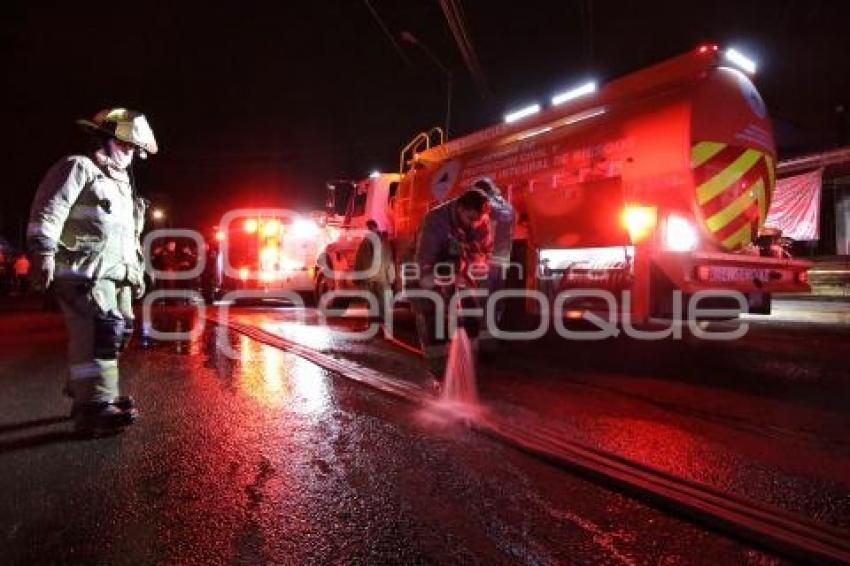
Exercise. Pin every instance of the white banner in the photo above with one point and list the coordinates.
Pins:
(795, 207)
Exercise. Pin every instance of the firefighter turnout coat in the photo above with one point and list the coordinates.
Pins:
(86, 214)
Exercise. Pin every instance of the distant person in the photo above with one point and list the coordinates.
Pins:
(365, 254)
(167, 258)
(84, 230)
(188, 258)
(21, 269)
(379, 281)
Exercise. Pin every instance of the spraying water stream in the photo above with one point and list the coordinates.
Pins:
(459, 394)
(460, 384)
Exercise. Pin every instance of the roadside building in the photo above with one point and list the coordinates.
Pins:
(812, 205)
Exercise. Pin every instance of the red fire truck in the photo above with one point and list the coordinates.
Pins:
(656, 183)
(266, 250)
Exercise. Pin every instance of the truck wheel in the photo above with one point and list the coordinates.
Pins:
(325, 285)
(309, 298)
(515, 315)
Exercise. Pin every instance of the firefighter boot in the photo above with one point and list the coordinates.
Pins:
(125, 403)
(101, 419)
(122, 402)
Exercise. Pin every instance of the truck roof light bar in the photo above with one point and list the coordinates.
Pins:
(522, 113)
(573, 93)
(737, 58)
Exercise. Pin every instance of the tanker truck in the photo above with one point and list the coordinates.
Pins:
(652, 188)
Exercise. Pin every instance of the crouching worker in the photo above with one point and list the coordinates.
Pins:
(453, 242)
(84, 230)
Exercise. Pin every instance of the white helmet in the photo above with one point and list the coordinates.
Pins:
(125, 125)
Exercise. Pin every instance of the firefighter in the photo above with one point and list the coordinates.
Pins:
(84, 230)
(454, 240)
(379, 283)
(167, 258)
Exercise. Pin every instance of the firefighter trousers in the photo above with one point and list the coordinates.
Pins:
(95, 318)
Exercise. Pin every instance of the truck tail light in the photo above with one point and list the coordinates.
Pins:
(680, 235)
(640, 221)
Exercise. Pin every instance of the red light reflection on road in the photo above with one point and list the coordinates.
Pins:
(659, 445)
(276, 378)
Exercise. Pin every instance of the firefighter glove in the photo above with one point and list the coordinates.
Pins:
(45, 269)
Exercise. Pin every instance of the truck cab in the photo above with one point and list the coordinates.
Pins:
(349, 206)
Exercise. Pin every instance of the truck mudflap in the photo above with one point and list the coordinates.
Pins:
(691, 272)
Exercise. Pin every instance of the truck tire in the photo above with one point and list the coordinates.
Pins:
(310, 298)
(325, 285)
(516, 316)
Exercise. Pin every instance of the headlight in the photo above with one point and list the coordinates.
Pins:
(680, 235)
(268, 255)
(303, 228)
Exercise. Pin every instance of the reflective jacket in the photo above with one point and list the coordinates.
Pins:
(85, 213)
(442, 240)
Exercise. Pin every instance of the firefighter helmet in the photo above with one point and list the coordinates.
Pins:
(125, 125)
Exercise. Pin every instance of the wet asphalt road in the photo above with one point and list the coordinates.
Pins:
(267, 458)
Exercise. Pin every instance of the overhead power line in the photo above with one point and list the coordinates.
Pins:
(387, 32)
(457, 23)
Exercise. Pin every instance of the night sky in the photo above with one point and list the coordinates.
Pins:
(258, 103)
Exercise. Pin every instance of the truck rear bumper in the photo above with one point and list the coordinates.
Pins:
(300, 280)
(700, 271)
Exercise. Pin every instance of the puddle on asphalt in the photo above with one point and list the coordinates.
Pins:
(268, 375)
(275, 378)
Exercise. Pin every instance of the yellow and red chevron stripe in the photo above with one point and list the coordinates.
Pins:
(734, 185)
